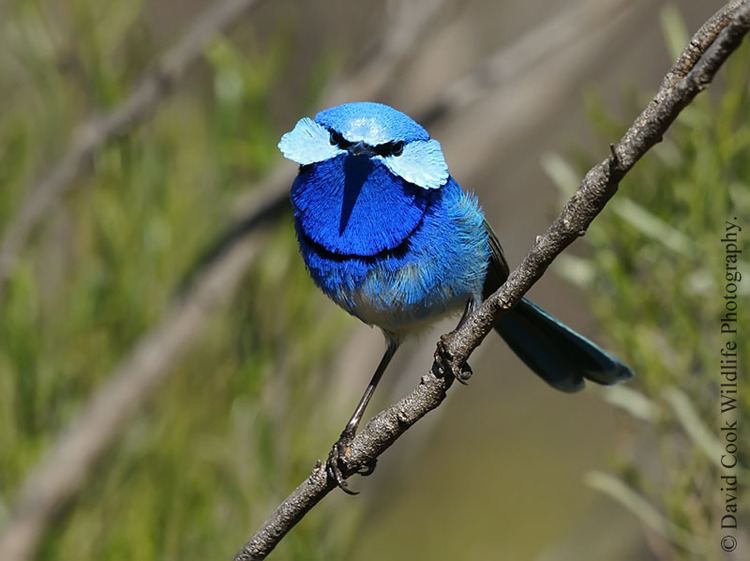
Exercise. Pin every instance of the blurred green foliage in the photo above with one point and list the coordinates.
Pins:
(218, 446)
(656, 278)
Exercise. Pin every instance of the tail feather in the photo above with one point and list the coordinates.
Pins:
(559, 355)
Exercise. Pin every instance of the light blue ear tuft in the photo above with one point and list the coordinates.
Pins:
(421, 163)
(308, 143)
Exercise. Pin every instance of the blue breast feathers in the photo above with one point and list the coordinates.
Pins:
(438, 268)
(354, 206)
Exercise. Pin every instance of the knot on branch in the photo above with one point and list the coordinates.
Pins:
(615, 164)
(164, 78)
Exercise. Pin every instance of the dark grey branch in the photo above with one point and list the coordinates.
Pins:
(693, 71)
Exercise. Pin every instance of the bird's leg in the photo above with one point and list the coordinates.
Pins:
(468, 310)
(341, 447)
(465, 374)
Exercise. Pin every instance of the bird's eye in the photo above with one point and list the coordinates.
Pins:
(389, 149)
(337, 139)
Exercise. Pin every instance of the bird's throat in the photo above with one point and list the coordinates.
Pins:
(354, 206)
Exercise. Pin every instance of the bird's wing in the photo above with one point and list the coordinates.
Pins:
(498, 269)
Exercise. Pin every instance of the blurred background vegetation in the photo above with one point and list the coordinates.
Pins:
(507, 469)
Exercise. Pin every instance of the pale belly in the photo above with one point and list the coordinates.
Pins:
(404, 306)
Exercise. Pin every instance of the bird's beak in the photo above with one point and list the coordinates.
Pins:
(359, 149)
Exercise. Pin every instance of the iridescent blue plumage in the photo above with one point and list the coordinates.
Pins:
(373, 123)
(440, 266)
(393, 239)
(355, 206)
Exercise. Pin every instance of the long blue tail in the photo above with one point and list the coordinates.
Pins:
(559, 355)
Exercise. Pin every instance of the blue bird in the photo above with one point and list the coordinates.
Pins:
(391, 237)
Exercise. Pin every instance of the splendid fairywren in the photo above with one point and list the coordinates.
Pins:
(391, 237)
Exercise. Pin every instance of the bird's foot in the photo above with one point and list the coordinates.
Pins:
(446, 364)
(335, 465)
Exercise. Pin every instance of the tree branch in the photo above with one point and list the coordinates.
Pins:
(67, 465)
(693, 71)
(91, 135)
(533, 48)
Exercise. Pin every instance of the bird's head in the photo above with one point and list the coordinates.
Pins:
(369, 130)
(367, 176)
